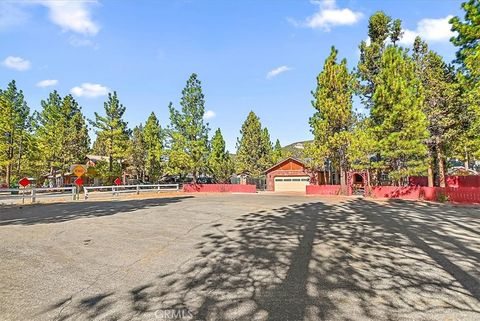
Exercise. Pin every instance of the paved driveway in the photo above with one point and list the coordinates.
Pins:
(240, 257)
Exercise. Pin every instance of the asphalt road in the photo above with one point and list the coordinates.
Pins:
(240, 257)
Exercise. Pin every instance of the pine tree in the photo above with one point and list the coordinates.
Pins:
(267, 150)
(468, 58)
(278, 153)
(220, 163)
(445, 114)
(399, 122)
(250, 147)
(188, 132)
(363, 146)
(139, 152)
(332, 122)
(61, 133)
(112, 131)
(14, 130)
(379, 29)
(153, 139)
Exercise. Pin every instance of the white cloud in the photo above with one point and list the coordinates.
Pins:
(329, 15)
(72, 15)
(16, 63)
(431, 30)
(209, 114)
(277, 71)
(89, 90)
(47, 83)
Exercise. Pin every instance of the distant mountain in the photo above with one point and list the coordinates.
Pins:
(296, 149)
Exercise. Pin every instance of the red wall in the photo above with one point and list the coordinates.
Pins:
(404, 192)
(219, 188)
(323, 190)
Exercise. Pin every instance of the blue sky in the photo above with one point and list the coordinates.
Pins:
(250, 55)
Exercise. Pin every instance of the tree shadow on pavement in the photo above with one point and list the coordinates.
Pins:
(61, 212)
(355, 260)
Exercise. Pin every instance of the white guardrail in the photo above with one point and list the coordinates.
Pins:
(34, 193)
(115, 190)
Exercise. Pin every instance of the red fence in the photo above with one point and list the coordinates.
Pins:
(452, 181)
(465, 195)
(219, 188)
(323, 189)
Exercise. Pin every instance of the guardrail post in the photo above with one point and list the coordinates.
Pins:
(178, 187)
(158, 188)
(138, 189)
(33, 195)
(74, 193)
(86, 192)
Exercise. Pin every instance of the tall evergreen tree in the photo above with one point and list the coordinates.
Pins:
(399, 122)
(332, 122)
(278, 153)
(468, 58)
(188, 132)
(153, 139)
(442, 107)
(363, 146)
(220, 162)
(14, 130)
(112, 131)
(379, 29)
(250, 147)
(61, 133)
(267, 149)
(139, 151)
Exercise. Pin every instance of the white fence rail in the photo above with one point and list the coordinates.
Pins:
(115, 190)
(34, 193)
(12, 195)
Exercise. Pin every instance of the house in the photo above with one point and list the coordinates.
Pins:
(292, 175)
(92, 160)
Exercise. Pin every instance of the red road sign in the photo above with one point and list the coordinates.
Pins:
(79, 181)
(118, 181)
(24, 182)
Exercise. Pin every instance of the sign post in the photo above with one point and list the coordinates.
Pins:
(24, 182)
(117, 182)
(79, 170)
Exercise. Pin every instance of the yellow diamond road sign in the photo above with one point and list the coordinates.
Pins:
(79, 170)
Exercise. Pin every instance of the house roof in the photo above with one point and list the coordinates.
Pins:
(284, 161)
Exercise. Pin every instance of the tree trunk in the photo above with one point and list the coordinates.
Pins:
(343, 181)
(466, 159)
(430, 168)
(110, 164)
(8, 174)
(441, 166)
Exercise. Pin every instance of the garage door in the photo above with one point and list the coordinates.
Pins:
(291, 183)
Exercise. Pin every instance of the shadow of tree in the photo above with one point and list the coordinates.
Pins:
(61, 212)
(355, 260)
